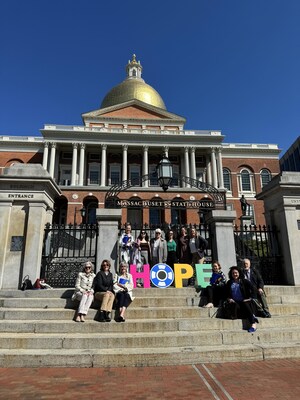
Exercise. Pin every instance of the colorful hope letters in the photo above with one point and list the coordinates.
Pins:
(162, 275)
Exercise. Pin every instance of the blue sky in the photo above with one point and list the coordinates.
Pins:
(229, 65)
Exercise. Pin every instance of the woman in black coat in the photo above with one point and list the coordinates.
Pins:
(240, 293)
(104, 292)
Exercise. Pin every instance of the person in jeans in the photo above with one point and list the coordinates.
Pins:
(103, 288)
(84, 291)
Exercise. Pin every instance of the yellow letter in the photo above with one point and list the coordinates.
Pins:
(182, 271)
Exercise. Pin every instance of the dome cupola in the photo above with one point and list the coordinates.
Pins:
(133, 87)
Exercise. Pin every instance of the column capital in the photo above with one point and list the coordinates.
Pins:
(193, 149)
(46, 144)
(53, 145)
(104, 146)
(186, 149)
(213, 150)
(82, 146)
(75, 145)
(125, 147)
(145, 148)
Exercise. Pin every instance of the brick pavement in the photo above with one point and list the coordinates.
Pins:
(277, 379)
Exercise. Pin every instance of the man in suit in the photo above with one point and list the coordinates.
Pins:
(255, 278)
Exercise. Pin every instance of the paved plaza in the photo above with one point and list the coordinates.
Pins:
(278, 379)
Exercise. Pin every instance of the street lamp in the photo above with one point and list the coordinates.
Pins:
(164, 170)
(82, 213)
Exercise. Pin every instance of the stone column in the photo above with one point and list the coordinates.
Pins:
(186, 164)
(208, 171)
(193, 163)
(125, 163)
(52, 159)
(5, 218)
(74, 164)
(103, 165)
(81, 164)
(214, 168)
(220, 168)
(108, 222)
(223, 246)
(45, 155)
(145, 165)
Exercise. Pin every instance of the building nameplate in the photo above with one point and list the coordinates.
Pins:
(20, 196)
(204, 204)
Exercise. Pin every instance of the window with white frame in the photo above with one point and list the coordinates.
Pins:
(246, 181)
(115, 174)
(65, 175)
(94, 174)
(227, 179)
(265, 177)
(134, 174)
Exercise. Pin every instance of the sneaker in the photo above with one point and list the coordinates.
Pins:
(209, 305)
(251, 330)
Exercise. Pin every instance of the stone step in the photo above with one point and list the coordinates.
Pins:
(142, 357)
(67, 293)
(150, 325)
(61, 303)
(146, 339)
(133, 312)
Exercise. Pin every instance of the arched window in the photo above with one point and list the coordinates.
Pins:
(227, 178)
(246, 181)
(265, 177)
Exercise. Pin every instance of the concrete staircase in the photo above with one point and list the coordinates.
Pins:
(163, 327)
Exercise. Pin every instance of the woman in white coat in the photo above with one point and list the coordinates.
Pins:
(83, 291)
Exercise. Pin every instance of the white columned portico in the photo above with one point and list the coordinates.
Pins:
(103, 165)
(220, 168)
(52, 159)
(81, 163)
(186, 164)
(214, 168)
(193, 163)
(45, 155)
(125, 162)
(74, 164)
(145, 165)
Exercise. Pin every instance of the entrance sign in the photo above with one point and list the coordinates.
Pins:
(162, 275)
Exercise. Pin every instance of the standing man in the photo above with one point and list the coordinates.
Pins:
(255, 278)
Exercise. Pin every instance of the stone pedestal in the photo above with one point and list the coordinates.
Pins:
(282, 208)
(223, 247)
(26, 205)
(107, 248)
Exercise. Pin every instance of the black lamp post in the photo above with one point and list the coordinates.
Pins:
(164, 170)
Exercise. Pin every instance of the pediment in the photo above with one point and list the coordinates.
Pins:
(132, 110)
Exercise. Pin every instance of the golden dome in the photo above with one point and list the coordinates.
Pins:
(133, 87)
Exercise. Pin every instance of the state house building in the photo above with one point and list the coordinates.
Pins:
(117, 148)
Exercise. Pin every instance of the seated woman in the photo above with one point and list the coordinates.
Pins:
(123, 286)
(84, 291)
(216, 290)
(240, 293)
(103, 288)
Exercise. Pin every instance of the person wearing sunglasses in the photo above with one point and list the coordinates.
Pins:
(84, 292)
(103, 288)
(158, 247)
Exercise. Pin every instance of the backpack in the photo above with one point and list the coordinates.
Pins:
(26, 283)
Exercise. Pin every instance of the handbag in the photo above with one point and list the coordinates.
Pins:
(26, 283)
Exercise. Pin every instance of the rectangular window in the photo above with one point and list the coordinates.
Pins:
(94, 174)
(175, 180)
(65, 175)
(134, 175)
(152, 175)
(115, 174)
